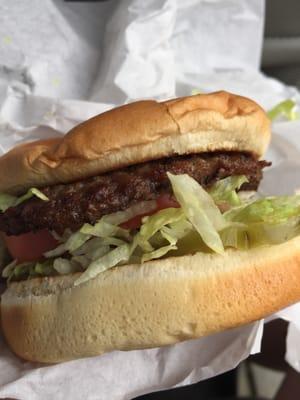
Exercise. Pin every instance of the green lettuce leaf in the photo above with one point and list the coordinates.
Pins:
(236, 237)
(25, 269)
(179, 229)
(100, 251)
(30, 193)
(7, 200)
(155, 222)
(120, 217)
(224, 190)
(9, 269)
(271, 220)
(169, 228)
(285, 108)
(75, 241)
(103, 229)
(83, 261)
(149, 234)
(271, 210)
(109, 260)
(44, 268)
(260, 234)
(158, 253)
(64, 266)
(22, 270)
(200, 209)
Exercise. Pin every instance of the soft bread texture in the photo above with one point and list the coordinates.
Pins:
(138, 132)
(159, 303)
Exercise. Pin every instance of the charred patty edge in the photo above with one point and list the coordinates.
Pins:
(73, 204)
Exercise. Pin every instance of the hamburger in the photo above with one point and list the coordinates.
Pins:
(141, 228)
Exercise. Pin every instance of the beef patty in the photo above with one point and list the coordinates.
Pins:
(73, 204)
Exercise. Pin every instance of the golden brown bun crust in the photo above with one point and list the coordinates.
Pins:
(159, 303)
(135, 133)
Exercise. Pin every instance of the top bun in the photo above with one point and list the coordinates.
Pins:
(138, 132)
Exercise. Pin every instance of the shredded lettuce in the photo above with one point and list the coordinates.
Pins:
(104, 229)
(25, 269)
(30, 193)
(225, 190)
(273, 233)
(64, 266)
(119, 217)
(7, 200)
(44, 268)
(82, 261)
(101, 250)
(156, 231)
(178, 230)
(197, 225)
(74, 242)
(200, 209)
(158, 253)
(155, 222)
(58, 251)
(236, 237)
(109, 260)
(270, 210)
(286, 109)
(89, 247)
(151, 234)
(9, 269)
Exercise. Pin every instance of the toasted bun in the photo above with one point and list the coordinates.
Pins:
(135, 133)
(141, 306)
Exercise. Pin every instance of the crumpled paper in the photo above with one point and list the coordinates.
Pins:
(117, 51)
(283, 178)
(125, 375)
(51, 48)
(105, 54)
(168, 43)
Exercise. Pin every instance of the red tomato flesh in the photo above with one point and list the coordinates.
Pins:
(162, 202)
(30, 246)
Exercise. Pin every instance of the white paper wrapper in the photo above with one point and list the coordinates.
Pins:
(285, 151)
(51, 48)
(169, 42)
(121, 375)
(150, 49)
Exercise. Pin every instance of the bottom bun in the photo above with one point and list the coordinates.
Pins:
(159, 303)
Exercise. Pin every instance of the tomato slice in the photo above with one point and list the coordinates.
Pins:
(162, 202)
(30, 246)
(134, 222)
(166, 201)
